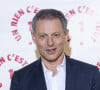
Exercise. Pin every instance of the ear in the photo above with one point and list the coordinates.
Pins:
(33, 37)
(67, 35)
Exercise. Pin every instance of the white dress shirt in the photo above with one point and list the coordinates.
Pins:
(56, 82)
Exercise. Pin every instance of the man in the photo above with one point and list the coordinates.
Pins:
(54, 70)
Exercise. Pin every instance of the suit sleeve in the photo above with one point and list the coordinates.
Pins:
(15, 82)
(96, 80)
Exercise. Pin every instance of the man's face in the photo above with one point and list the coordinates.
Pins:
(50, 38)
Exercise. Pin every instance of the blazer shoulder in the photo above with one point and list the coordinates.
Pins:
(82, 65)
(26, 74)
(29, 67)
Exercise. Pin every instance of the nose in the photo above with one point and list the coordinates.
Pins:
(50, 41)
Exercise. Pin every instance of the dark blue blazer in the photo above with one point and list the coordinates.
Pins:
(79, 76)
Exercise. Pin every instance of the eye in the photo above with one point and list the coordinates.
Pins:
(56, 35)
(43, 36)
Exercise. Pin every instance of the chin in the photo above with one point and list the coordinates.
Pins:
(51, 58)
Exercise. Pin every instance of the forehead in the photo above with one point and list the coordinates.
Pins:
(46, 25)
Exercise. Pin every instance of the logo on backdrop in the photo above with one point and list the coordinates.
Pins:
(86, 23)
(10, 63)
(21, 24)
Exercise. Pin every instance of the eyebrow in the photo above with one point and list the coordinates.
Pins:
(51, 34)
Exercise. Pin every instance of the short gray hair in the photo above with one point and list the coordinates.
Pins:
(49, 14)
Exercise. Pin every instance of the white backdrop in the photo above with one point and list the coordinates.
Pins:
(16, 47)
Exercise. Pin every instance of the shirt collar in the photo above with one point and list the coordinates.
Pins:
(62, 65)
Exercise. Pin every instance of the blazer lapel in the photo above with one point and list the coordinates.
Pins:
(41, 79)
(68, 83)
(38, 79)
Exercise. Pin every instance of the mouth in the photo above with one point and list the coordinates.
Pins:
(51, 51)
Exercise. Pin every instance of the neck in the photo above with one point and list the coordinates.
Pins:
(53, 65)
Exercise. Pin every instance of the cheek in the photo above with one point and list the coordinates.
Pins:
(40, 44)
(60, 42)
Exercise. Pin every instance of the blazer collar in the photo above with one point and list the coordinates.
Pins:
(41, 78)
(40, 74)
(68, 83)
